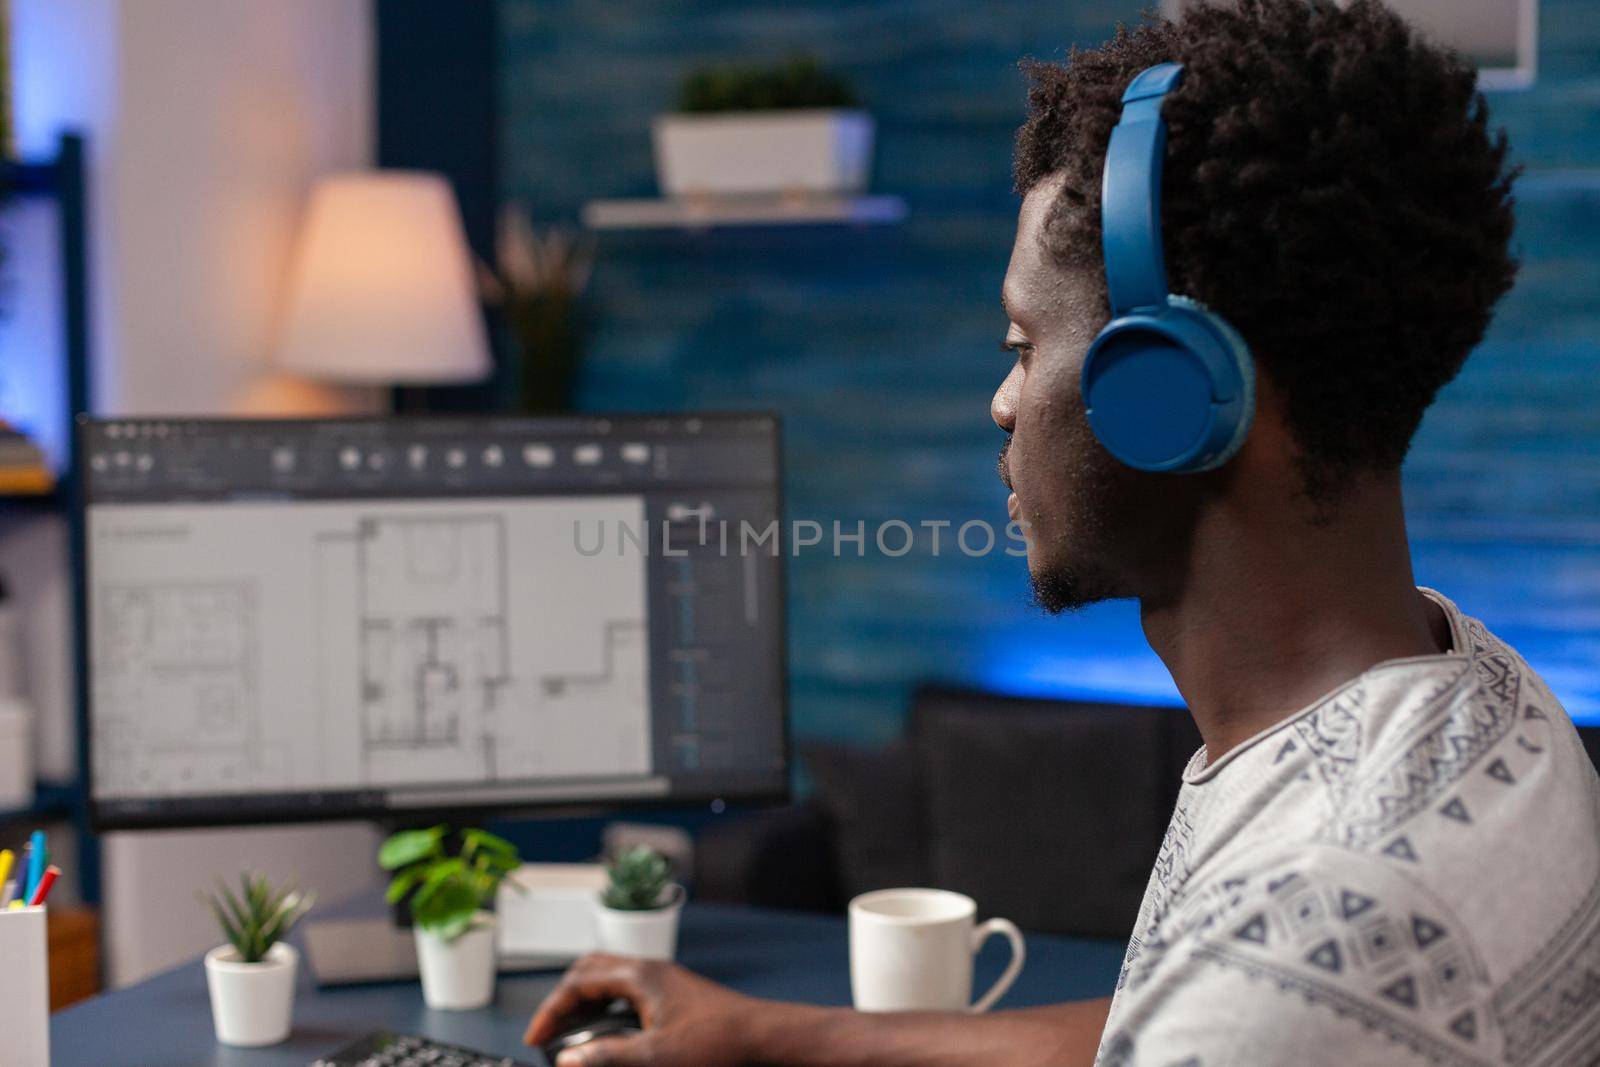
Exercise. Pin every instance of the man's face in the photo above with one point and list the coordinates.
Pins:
(1095, 530)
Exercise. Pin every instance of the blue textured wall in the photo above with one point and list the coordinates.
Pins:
(879, 345)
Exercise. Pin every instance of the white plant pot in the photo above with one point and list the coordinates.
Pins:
(458, 975)
(645, 935)
(749, 153)
(252, 1004)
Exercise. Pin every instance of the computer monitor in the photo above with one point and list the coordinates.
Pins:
(405, 617)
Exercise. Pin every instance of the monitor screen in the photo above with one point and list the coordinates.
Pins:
(405, 616)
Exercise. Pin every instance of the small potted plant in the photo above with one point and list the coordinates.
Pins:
(251, 978)
(448, 894)
(538, 280)
(787, 129)
(638, 913)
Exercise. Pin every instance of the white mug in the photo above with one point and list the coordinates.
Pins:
(912, 950)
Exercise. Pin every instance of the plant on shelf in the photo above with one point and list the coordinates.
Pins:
(799, 82)
(251, 978)
(258, 917)
(537, 281)
(638, 881)
(446, 892)
(789, 129)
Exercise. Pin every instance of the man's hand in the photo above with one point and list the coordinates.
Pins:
(692, 1022)
(689, 1021)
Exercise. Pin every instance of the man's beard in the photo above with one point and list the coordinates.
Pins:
(1060, 590)
(1097, 500)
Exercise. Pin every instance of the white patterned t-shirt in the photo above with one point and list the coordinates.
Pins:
(1405, 872)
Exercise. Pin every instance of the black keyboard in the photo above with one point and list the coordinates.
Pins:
(383, 1049)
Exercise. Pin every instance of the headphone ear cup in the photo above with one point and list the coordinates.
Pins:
(1169, 391)
(1234, 373)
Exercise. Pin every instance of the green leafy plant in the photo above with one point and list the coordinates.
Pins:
(445, 890)
(797, 83)
(640, 879)
(259, 916)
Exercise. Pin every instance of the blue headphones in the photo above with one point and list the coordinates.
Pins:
(1169, 385)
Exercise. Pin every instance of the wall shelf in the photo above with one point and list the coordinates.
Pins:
(702, 213)
(52, 499)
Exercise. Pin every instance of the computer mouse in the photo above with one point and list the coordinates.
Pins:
(616, 1019)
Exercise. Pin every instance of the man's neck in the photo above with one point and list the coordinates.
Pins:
(1274, 611)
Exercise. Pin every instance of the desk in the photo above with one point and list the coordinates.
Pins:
(165, 1021)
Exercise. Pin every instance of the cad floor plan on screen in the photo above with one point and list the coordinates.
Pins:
(359, 644)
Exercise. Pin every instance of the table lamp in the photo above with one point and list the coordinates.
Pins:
(382, 290)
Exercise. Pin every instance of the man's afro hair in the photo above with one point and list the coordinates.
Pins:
(1332, 187)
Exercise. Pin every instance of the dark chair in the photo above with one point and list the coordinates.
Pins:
(1047, 812)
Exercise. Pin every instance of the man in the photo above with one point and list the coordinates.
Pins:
(1388, 850)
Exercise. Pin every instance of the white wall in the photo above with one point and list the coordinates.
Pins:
(229, 108)
(207, 121)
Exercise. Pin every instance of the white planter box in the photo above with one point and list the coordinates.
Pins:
(751, 153)
(252, 1004)
(553, 912)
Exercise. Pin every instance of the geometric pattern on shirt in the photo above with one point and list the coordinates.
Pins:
(1401, 971)
(1172, 865)
(1549, 1010)
(1171, 870)
(1476, 718)
(1332, 735)
(1319, 993)
(1471, 725)
(1116, 1050)
(1199, 912)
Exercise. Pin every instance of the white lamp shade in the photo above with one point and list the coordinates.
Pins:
(383, 287)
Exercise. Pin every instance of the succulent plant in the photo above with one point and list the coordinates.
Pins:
(798, 83)
(259, 916)
(445, 891)
(639, 881)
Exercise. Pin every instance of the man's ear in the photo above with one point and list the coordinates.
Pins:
(1269, 455)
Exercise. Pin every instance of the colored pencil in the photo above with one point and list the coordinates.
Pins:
(46, 880)
(38, 860)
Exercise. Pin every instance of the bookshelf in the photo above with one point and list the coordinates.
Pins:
(62, 180)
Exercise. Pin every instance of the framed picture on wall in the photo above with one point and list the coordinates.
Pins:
(1500, 36)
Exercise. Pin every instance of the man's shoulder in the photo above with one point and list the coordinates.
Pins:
(1427, 866)
(1415, 741)
(1414, 861)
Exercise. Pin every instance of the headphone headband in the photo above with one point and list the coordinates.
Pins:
(1130, 194)
(1167, 384)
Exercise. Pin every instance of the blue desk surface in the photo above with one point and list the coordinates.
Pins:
(166, 1020)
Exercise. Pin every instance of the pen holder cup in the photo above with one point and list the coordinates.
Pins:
(24, 989)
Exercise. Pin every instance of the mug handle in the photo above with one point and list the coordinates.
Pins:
(1018, 955)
